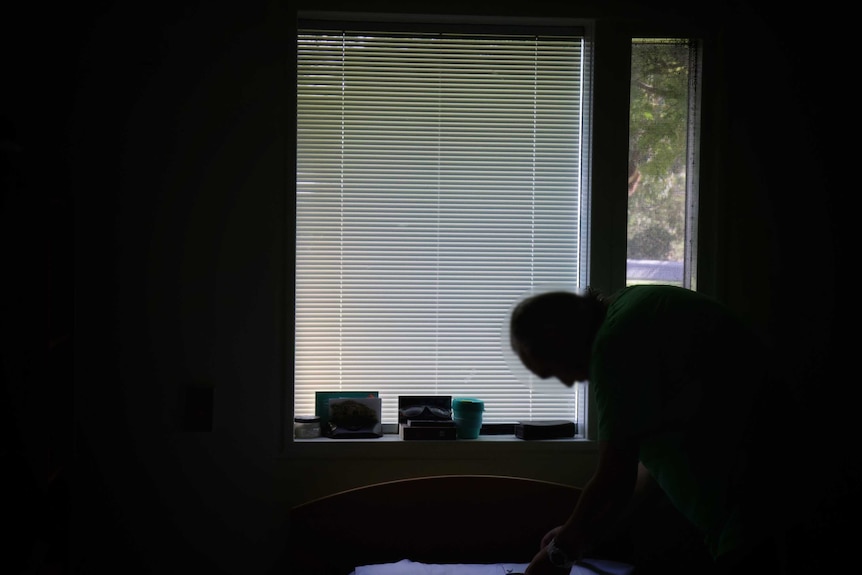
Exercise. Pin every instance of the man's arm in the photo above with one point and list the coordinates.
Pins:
(646, 489)
(602, 501)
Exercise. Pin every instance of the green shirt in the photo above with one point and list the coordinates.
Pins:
(678, 373)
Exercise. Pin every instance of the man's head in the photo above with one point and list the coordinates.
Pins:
(552, 333)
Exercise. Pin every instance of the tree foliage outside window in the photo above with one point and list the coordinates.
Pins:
(658, 135)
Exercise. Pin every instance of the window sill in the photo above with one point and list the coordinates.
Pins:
(391, 445)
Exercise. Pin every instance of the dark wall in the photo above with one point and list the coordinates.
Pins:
(160, 127)
(36, 293)
(161, 133)
(785, 237)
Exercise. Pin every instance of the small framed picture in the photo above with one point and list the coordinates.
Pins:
(321, 404)
(424, 408)
(357, 417)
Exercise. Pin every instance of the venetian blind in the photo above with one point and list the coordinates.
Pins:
(438, 180)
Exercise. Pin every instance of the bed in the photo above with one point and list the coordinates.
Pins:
(470, 524)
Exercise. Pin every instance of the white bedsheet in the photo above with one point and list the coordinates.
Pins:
(407, 567)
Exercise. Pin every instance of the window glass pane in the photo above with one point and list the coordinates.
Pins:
(438, 181)
(662, 159)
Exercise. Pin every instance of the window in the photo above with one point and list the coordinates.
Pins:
(662, 183)
(442, 174)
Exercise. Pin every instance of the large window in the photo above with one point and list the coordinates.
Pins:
(442, 175)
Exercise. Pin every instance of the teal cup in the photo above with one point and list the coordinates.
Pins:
(467, 413)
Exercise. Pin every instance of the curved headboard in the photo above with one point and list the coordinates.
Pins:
(436, 519)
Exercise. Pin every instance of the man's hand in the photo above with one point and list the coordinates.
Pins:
(541, 565)
(549, 536)
(600, 504)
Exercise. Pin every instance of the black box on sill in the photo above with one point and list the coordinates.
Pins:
(545, 429)
(411, 432)
(430, 423)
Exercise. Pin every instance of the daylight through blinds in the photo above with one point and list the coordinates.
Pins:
(438, 181)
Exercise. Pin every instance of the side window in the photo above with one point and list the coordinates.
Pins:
(663, 149)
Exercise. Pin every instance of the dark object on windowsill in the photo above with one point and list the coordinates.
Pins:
(497, 429)
(364, 433)
(545, 429)
(428, 429)
(354, 418)
(306, 427)
(430, 423)
(424, 407)
(322, 399)
(427, 432)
